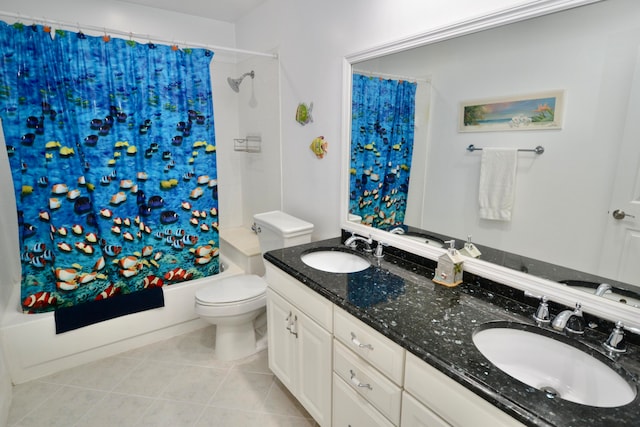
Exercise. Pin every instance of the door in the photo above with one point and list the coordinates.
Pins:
(621, 248)
(281, 341)
(352, 410)
(415, 414)
(314, 368)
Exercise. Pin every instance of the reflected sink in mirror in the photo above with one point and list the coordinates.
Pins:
(335, 261)
(425, 238)
(613, 293)
(554, 364)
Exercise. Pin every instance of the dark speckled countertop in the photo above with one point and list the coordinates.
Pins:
(397, 298)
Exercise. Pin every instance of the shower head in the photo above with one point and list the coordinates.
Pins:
(235, 83)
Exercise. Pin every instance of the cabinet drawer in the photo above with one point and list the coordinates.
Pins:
(310, 303)
(415, 414)
(371, 345)
(352, 410)
(455, 403)
(368, 382)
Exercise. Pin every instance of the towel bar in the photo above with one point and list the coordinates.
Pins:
(538, 150)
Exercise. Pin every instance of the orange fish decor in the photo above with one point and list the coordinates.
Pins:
(319, 147)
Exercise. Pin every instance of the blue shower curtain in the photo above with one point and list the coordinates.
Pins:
(382, 131)
(113, 157)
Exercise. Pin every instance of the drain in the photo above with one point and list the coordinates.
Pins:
(551, 392)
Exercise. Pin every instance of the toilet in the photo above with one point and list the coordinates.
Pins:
(236, 305)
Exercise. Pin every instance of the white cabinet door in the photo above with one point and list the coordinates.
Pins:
(352, 410)
(280, 349)
(415, 414)
(314, 348)
(300, 356)
(455, 403)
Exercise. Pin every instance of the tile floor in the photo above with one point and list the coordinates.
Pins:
(174, 383)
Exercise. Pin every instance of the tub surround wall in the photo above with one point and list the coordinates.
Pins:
(436, 323)
(10, 268)
(33, 349)
(242, 246)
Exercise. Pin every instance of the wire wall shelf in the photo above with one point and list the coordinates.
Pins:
(250, 144)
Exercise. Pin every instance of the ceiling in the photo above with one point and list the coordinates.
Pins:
(221, 10)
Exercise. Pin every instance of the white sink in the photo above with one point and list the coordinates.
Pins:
(335, 261)
(559, 369)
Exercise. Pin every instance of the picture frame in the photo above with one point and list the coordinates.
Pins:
(537, 111)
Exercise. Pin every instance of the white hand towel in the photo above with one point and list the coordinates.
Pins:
(497, 183)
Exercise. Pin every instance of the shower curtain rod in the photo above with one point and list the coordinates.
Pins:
(19, 17)
(390, 76)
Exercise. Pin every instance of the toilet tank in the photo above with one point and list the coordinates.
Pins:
(277, 230)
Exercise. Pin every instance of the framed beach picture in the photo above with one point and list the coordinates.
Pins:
(527, 112)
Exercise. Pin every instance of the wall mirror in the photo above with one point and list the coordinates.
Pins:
(576, 212)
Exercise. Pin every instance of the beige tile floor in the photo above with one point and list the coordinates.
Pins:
(174, 383)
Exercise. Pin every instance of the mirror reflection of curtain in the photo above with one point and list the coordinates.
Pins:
(112, 152)
(382, 133)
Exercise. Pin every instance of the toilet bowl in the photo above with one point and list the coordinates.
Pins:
(233, 304)
(236, 305)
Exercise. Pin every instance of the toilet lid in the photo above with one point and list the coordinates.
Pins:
(232, 289)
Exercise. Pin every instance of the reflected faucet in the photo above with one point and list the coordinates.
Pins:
(352, 242)
(603, 289)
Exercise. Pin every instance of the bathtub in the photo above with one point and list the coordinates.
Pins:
(33, 350)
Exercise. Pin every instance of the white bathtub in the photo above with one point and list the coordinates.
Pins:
(33, 349)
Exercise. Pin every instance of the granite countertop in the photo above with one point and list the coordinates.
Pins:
(397, 298)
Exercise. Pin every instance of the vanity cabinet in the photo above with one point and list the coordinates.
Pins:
(300, 342)
(347, 374)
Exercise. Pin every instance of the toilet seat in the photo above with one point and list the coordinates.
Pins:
(233, 296)
(233, 290)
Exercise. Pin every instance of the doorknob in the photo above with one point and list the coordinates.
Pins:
(620, 214)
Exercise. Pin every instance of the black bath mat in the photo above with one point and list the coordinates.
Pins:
(70, 318)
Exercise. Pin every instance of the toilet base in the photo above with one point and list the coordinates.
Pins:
(235, 341)
(236, 335)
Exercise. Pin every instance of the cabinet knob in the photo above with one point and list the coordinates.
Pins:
(357, 342)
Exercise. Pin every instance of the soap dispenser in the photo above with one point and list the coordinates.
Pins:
(449, 269)
(470, 249)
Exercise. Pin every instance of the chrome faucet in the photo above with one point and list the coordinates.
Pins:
(352, 242)
(542, 315)
(603, 289)
(397, 230)
(379, 250)
(570, 321)
(616, 343)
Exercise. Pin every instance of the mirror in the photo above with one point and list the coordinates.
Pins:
(562, 214)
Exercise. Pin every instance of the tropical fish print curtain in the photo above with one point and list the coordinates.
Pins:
(382, 129)
(113, 157)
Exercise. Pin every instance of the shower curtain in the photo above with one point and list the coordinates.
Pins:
(113, 158)
(382, 127)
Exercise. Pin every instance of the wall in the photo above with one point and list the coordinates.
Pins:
(312, 39)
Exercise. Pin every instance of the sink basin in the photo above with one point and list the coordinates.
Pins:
(539, 359)
(335, 261)
(424, 238)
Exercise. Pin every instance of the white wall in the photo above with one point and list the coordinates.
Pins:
(312, 39)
